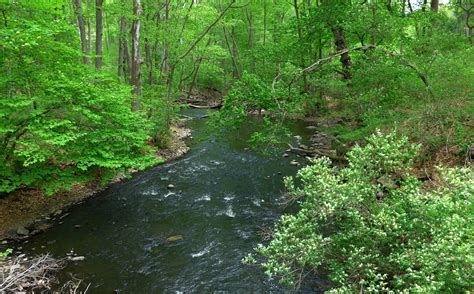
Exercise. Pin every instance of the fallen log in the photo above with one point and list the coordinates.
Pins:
(318, 152)
(205, 106)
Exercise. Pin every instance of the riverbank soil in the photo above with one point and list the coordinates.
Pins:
(27, 211)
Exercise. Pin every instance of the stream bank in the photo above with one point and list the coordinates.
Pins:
(27, 212)
(184, 225)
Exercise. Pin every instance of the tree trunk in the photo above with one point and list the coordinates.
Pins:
(149, 62)
(435, 5)
(122, 43)
(98, 33)
(250, 37)
(235, 72)
(340, 42)
(193, 83)
(136, 60)
(89, 27)
(164, 55)
(300, 37)
(82, 30)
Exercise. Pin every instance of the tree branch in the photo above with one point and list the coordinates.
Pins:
(203, 34)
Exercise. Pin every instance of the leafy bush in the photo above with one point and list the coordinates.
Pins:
(374, 226)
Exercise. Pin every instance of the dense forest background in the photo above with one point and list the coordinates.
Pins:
(90, 88)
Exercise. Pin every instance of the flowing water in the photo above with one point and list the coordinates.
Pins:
(223, 194)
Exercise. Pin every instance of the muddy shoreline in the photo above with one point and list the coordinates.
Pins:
(25, 213)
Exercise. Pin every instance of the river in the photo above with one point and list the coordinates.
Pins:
(223, 193)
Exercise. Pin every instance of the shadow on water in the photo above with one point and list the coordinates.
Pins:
(223, 194)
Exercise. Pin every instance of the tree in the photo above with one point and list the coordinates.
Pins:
(98, 33)
(136, 59)
(82, 30)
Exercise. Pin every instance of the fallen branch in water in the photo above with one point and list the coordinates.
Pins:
(205, 106)
(318, 152)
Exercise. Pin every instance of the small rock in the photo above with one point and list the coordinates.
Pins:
(295, 163)
(297, 137)
(303, 146)
(285, 155)
(278, 173)
(4, 242)
(387, 182)
(22, 231)
(64, 215)
(58, 212)
(77, 226)
(171, 186)
(174, 238)
(246, 148)
(77, 258)
(311, 127)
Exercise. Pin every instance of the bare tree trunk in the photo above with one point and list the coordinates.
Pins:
(136, 60)
(341, 45)
(468, 12)
(98, 33)
(300, 37)
(435, 5)
(82, 30)
(149, 62)
(107, 31)
(126, 52)
(122, 43)
(169, 81)
(164, 55)
(250, 36)
(235, 72)
(89, 27)
(193, 83)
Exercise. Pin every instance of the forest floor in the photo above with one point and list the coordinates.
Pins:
(26, 212)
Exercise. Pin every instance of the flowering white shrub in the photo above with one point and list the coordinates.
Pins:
(373, 227)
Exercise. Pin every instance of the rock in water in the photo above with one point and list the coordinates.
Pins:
(78, 258)
(22, 231)
(295, 163)
(285, 155)
(174, 238)
(171, 186)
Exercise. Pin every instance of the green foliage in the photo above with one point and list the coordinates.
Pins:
(60, 121)
(7, 252)
(248, 95)
(374, 227)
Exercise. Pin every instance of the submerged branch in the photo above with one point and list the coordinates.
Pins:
(318, 152)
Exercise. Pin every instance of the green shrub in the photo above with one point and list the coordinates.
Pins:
(374, 227)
